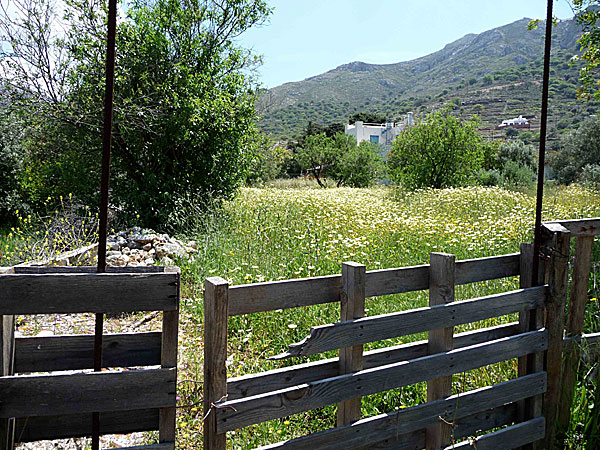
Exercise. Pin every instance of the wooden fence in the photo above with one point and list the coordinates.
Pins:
(528, 406)
(52, 406)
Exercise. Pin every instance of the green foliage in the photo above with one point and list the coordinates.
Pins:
(517, 151)
(515, 175)
(11, 159)
(439, 152)
(357, 165)
(590, 176)
(511, 132)
(184, 103)
(489, 177)
(581, 147)
(340, 158)
(588, 15)
(268, 160)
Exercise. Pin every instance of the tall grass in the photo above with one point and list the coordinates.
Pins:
(271, 233)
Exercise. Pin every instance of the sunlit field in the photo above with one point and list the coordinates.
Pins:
(272, 234)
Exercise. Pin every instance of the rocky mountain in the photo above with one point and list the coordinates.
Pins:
(508, 58)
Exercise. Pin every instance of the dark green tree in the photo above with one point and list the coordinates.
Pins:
(580, 148)
(184, 100)
(440, 151)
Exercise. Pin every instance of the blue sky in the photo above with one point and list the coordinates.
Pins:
(309, 37)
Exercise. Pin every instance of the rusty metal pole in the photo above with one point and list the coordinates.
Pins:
(104, 187)
(537, 241)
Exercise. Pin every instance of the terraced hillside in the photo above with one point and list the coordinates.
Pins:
(495, 74)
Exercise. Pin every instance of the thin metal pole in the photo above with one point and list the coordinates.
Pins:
(104, 186)
(537, 240)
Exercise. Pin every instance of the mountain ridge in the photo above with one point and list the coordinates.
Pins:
(392, 89)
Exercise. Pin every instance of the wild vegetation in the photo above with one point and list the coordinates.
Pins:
(272, 233)
(184, 115)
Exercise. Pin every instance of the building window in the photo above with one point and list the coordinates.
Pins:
(374, 139)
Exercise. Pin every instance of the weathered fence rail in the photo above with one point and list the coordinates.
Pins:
(37, 405)
(527, 406)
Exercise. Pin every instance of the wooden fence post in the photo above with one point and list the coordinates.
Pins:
(168, 359)
(579, 289)
(441, 291)
(7, 341)
(216, 296)
(351, 358)
(555, 316)
(528, 321)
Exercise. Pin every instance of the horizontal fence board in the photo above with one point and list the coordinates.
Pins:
(483, 269)
(410, 441)
(580, 227)
(74, 352)
(86, 269)
(396, 281)
(247, 411)
(507, 438)
(31, 429)
(86, 292)
(272, 295)
(273, 380)
(361, 331)
(47, 395)
(486, 420)
(388, 426)
(462, 428)
(269, 296)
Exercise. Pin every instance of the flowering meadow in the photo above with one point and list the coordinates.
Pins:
(272, 234)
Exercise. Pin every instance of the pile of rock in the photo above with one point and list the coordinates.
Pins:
(144, 247)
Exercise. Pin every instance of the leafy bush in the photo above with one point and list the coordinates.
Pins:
(581, 147)
(590, 176)
(490, 177)
(524, 155)
(439, 152)
(515, 175)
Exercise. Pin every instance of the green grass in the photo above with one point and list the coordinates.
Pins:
(270, 234)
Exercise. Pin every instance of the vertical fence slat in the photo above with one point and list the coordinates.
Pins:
(351, 358)
(441, 291)
(7, 339)
(555, 316)
(528, 321)
(167, 416)
(216, 296)
(579, 289)
(168, 358)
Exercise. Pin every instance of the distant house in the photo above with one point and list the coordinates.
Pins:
(382, 134)
(517, 122)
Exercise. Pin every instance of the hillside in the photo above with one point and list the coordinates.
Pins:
(495, 74)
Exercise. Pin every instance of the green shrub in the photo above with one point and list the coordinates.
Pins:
(490, 177)
(590, 176)
(581, 147)
(439, 152)
(515, 175)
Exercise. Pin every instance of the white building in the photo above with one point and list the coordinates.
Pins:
(514, 122)
(382, 134)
